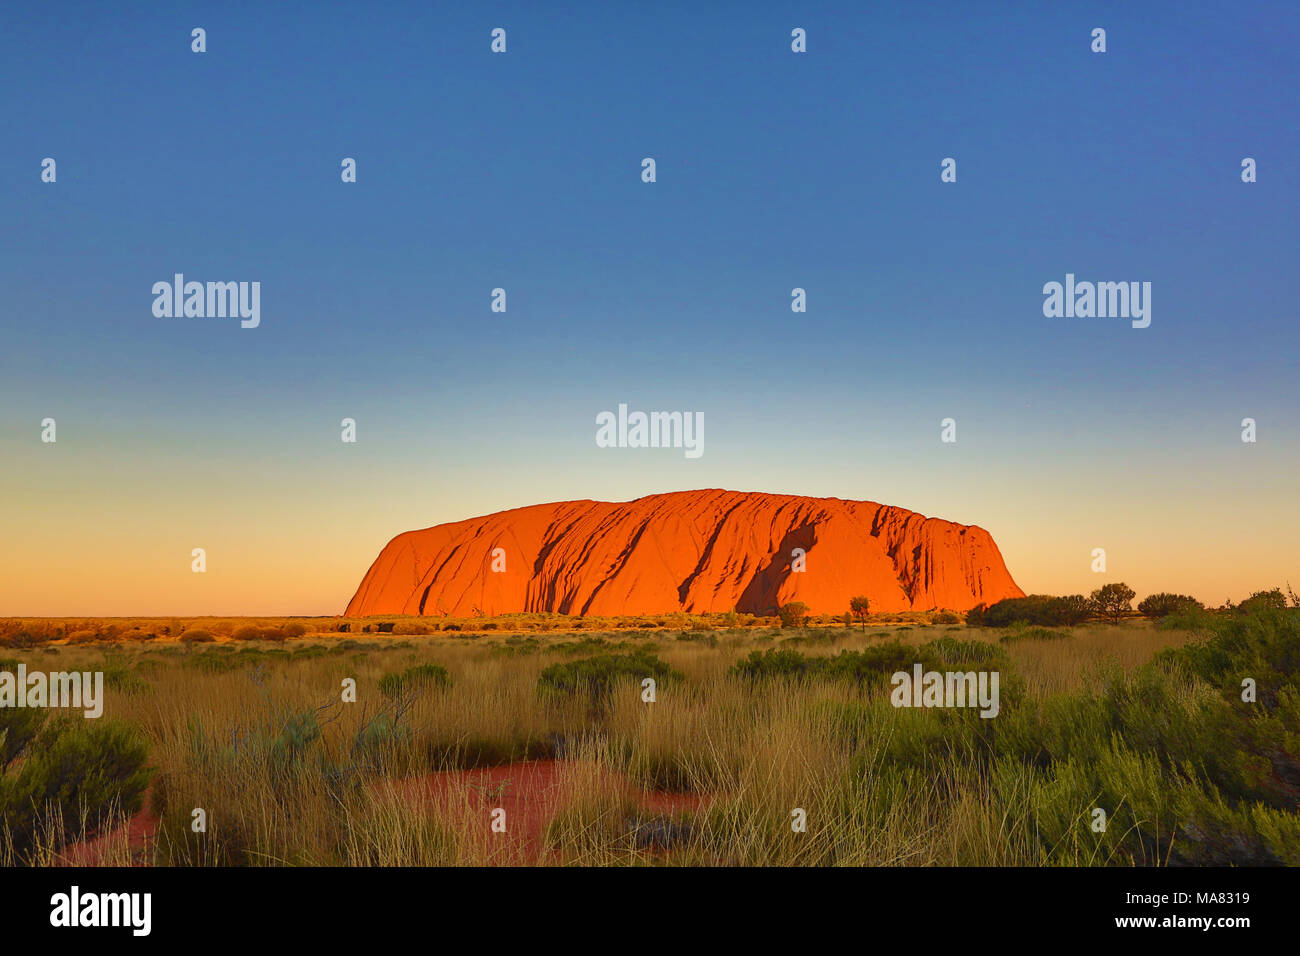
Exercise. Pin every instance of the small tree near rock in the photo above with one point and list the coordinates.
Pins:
(1113, 600)
(794, 614)
(860, 607)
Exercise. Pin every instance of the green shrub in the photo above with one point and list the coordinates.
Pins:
(1187, 772)
(75, 773)
(775, 663)
(1031, 609)
(1189, 617)
(414, 679)
(599, 676)
(588, 645)
(1164, 765)
(1163, 604)
(197, 636)
(18, 728)
(517, 646)
(1042, 610)
(212, 663)
(1273, 600)
(120, 677)
(875, 664)
(1069, 610)
(1264, 646)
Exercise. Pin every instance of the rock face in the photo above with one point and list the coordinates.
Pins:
(696, 551)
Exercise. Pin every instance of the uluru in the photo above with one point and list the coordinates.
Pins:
(702, 551)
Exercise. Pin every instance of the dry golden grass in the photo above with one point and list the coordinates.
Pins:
(749, 756)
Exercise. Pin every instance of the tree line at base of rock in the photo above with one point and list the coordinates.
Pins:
(1112, 602)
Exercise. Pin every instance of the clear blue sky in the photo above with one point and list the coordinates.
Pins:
(775, 170)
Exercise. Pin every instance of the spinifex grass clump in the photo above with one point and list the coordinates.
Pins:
(1032, 634)
(276, 794)
(120, 676)
(417, 679)
(871, 665)
(597, 644)
(700, 637)
(952, 651)
(277, 786)
(597, 677)
(517, 647)
(776, 663)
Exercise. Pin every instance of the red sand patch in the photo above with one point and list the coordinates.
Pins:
(135, 837)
